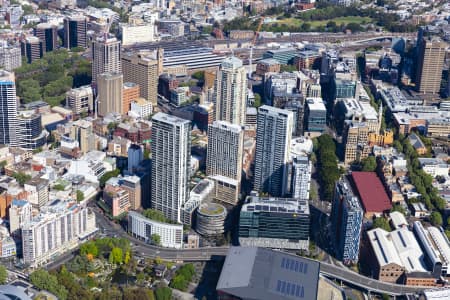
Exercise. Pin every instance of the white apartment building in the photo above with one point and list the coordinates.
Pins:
(58, 228)
(140, 227)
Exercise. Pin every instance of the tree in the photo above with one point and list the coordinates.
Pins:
(127, 257)
(107, 176)
(156, 239)
(29, 90)
(80, 196)
(3, 274)
(163, 293)
(45, 281)
(287, 68)
(89, 248)
(116, 256)
(179, 283)
(155, 215)
(257, 103)
(436, 218)
(397, 145)
(21, 177)
(369, 164)
(382, 223)
(399, 208)
(199, 75)
(305, 26)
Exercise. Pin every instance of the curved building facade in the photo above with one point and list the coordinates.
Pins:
(211, 219)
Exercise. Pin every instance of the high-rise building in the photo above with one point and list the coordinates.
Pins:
(17, 129)
(131, 92)
(29, 131)
(19, 213)
(346, 222)
(80, 100)
(142, 69)
(301, 177)
(8, 108)
(135, 157)
(273, 139)
(170, 164)
(132, 184)
(48, 34)
(81, 131)
(230, 92)
(356, 141)
(224, 158)
(430, 62)
(75, 29)
(56, 230)
(274, 223)
(32, 48)
(315, 115)
(105, 56)
(38, 191)
(109, 89)
(10, 57)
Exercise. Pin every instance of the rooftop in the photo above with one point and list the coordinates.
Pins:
(371, 192)
(259, 273)
(275, 205)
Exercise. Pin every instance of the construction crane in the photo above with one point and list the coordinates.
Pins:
(252, 44)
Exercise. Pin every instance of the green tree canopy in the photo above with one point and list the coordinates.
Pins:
(436, 218)
(116, 256)
(21, 177)
(369, 164)
(45, 281)
(382, 222)
(163, 293)
(156, 239)
(3, 274)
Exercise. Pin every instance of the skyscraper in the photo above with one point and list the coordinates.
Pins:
(224, 159)
(273, 139)
(301, 177)
(109, 89)
(430, 62)
(75, 28)
(32, 48)
(10, 57)
(8, 108)
(22, 129)
(171, 147)
(142, 69)
(230, 92)
(48, 34)
(346, 222)
(105, 56)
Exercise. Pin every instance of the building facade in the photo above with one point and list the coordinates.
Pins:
(346, 222)
(274, 223)
(110, 95)
(80, 100)
(75, 29)
(230, 91)
(56, 230)
(301, 177)
(171, 148)
(224, 155)
(273, 139)
(142, 69)
(140, 227)
(430, 62)
(105, 57)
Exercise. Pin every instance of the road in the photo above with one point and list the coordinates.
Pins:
(366, 283)
(143, 249)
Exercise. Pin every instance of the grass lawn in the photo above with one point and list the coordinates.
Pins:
(338, 21)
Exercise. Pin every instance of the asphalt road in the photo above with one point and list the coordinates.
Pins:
(367, 283)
